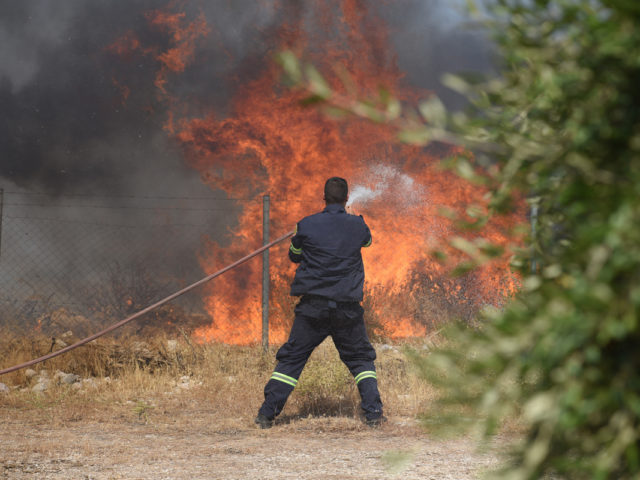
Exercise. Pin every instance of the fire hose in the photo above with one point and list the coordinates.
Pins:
(147, 309)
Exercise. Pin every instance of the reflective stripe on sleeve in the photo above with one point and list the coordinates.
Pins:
(365, 374)
(368, 243)
(295, 250)
(281, 377)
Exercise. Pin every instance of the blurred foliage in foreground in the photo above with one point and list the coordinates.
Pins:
(562, 124)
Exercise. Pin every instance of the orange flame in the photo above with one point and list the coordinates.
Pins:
(183, 40)
(269, 144)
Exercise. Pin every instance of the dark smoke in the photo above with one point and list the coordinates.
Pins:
(65, 128)
(78, 119)
(436, 37)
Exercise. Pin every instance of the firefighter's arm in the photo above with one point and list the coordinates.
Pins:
(295, 248)
(367, 236)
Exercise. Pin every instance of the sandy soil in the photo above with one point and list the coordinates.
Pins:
(193, 443)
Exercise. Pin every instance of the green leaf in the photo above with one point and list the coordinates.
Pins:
(317, 83)
(393, 110)
(415, 136)
(455, 83)
(433, 111)
(290, 65)
(311, 100)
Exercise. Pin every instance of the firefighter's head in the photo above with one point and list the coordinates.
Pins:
(336, 190)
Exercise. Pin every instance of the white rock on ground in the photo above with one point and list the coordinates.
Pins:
(89, 382)
(66, 378)
(4, 388)
(41, 386)
(69, 378)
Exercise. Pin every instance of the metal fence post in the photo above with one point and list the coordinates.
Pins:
(265, 273)
(1, 203)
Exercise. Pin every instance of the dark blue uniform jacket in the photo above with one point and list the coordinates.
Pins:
(327, 247)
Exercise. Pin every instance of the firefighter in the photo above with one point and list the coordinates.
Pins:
(329, 280)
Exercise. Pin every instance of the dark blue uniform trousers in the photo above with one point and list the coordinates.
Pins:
(316, 318)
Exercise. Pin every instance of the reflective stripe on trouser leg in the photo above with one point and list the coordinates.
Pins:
(368, 388)
(281, 377)
(276, 393)
(366, 374)
(292, 357)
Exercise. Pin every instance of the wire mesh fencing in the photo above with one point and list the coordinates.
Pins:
(78, 263)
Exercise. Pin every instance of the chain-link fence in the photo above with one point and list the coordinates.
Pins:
(79, 262)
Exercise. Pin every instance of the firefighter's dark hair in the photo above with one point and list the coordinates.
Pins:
(336, 190)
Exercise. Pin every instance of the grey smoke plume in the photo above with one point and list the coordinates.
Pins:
(63, 125)
(436, 37)
(66, 127)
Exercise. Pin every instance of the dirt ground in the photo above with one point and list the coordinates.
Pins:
(193, 443)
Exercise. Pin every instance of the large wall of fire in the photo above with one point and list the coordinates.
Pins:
(262, 141)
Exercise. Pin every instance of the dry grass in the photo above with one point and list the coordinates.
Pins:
(143, 378)
(183, 409)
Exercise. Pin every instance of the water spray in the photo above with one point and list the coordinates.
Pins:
(362, 194)
(384, 181)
